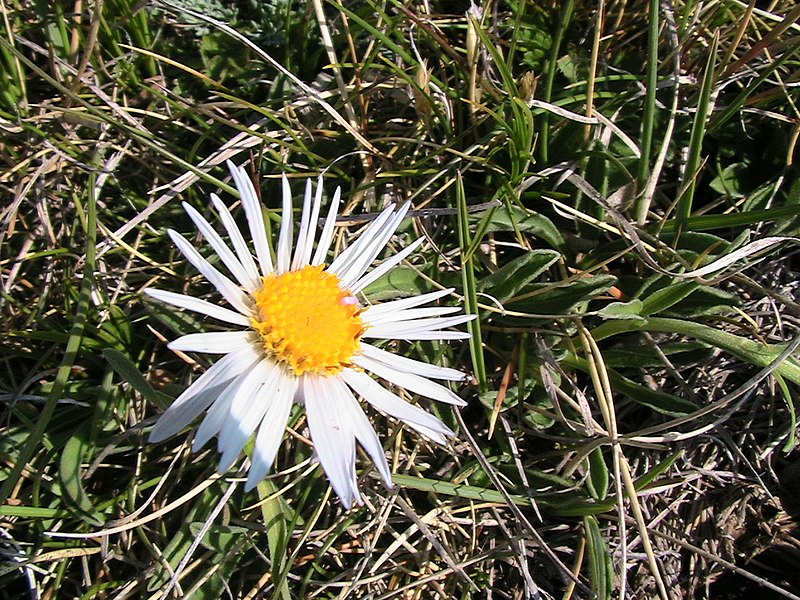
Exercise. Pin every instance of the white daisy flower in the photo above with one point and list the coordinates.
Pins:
(302, 336)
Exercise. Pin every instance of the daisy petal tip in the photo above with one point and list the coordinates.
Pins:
(227, 461)
(156, 437)
(251, 483)
(354, 501)
(198, 443)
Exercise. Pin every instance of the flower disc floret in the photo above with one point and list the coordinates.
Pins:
(307, 321)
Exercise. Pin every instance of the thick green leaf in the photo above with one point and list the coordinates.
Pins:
(220, 538)
(597, 483)
(527, 221)
(400, 282)
(512, 277)
(732, 181)
(756, 353)
(70, 475)
(636, 355)
(685, 299)
(559, 298)
(662, 299)
(601, 571)
(130, 373)
(655, 399)
(622, 310)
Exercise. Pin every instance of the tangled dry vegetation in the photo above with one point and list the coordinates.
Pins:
(581, 171)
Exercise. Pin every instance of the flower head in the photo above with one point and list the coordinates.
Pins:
(301, 336)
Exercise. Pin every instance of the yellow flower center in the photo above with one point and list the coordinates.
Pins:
(307, 321)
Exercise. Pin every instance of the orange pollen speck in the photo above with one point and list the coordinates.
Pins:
(307, 321)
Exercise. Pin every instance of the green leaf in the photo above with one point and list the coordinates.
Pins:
(601, 572)
(33, 512)
(181, 538)
(128, 371)
(400, 282)
(512, 277)
(643, 481)
(791, 438)
(597, 483)
(657, 400)
(559, 298)
(514, 218)
(636, 355)
(222, 539)
(622, 310)
(731, 182)
(685, 299)
(278, 517)
(666, 297)
(70, 475)
(756, 353)
(565, 505)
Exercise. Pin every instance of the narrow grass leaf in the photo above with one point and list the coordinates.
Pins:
(70, 476)
(601, 571)
(683, 209)
(130, 373)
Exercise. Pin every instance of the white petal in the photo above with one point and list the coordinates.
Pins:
(384, 267)
(237, 239)
(215, 419)
(199, 396)
(255, 217)
(394, 406)
(246, 411)
(198, 306)
(324, 243)
(217, 342)
(334, 443)
(215, 241)
(401, 363)
(376, 241)
(308, 226)
(368, 255)
(413, 314)
(229, 290)
(410, 336)
(413, 330)
(413, 383)
(353, 251)
(181, 415)
(396, 305)
(271, 430)
(287, 229)
(360, 427)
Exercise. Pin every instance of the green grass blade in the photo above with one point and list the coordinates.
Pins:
(685, 201)
(648, 117)
(470, 288)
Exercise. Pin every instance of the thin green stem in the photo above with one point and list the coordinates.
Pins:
(648, 118)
